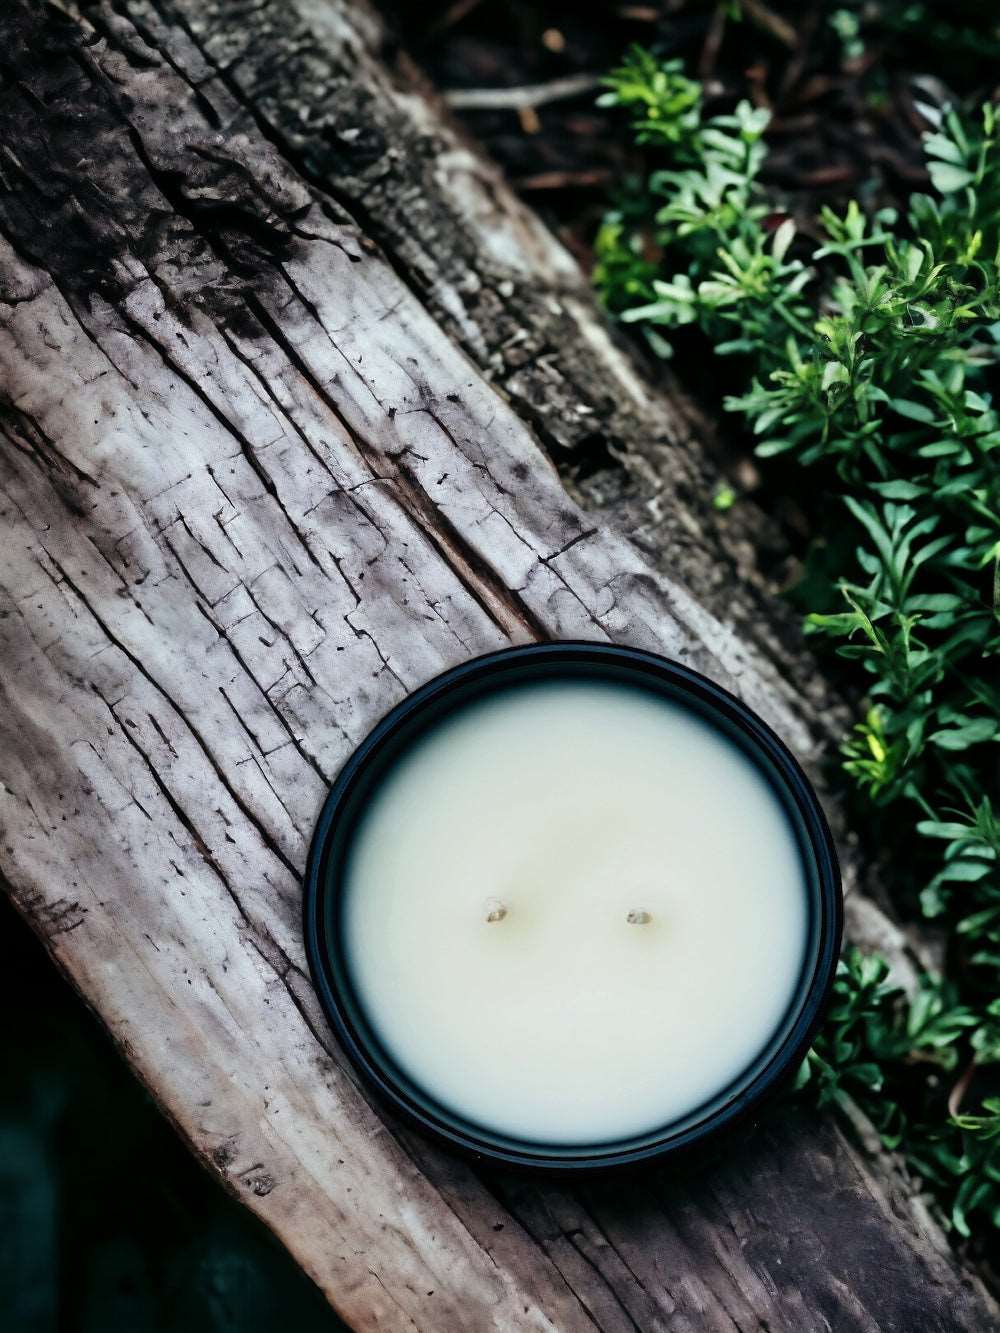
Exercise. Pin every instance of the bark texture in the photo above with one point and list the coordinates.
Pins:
(329, 87)
(252, 493)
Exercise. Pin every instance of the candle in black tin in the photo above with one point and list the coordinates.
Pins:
(572, 904)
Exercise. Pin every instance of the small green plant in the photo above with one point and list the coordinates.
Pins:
(700, 198)
(870, 358)
(893, 1058)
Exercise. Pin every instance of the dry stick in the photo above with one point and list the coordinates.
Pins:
(530, 95)
(713, 41)
(773, 23)
(639, 13)
(564, 180)
(796, 66)
(454, 14)
(957, 1094)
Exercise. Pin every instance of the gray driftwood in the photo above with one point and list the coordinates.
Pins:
(349, 110)
(253, 491)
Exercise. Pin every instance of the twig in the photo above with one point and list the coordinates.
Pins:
(796, 66)
(562, 180)
(835, 174)
(957, 1094)
(530, 95)
(780, 29)
(868, 1135)
(453, 14)
(528, 117)
(713, 40)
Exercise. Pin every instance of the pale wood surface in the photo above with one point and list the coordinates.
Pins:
(252, 493)
(348, 109)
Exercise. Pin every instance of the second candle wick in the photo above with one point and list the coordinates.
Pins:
(496, 911)
(638, 918)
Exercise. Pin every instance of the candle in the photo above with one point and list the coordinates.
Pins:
(573, 909)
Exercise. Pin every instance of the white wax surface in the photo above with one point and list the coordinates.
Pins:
(572, 804)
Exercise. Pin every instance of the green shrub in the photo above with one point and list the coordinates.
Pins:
(870, 359)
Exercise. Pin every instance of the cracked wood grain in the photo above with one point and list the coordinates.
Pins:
(253, 492)
(367, 133)
(326, 83)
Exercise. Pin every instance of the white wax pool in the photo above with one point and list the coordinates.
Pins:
(558, 809)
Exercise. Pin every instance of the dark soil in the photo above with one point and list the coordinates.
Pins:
(845, 121)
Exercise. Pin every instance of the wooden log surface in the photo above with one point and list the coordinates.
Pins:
(348, 109)
(253, 492)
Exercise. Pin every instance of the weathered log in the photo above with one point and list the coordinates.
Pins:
(330, 87)
(354, 116)
(253, 493)
(351, 113)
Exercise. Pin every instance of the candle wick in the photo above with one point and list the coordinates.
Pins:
(638, 918)
(497, 911)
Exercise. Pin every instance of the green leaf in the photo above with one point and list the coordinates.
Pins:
(898, 490)
(972, 733)
(933, 828)
(947, 178)
(913, 411)
(842, 622)
(966, 872)
(874, 372)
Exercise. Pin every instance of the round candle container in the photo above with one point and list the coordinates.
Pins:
(572, 906)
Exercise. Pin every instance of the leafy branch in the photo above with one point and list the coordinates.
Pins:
(893, 1058)
(869, 358)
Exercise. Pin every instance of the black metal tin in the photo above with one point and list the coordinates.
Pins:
(570, 660)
